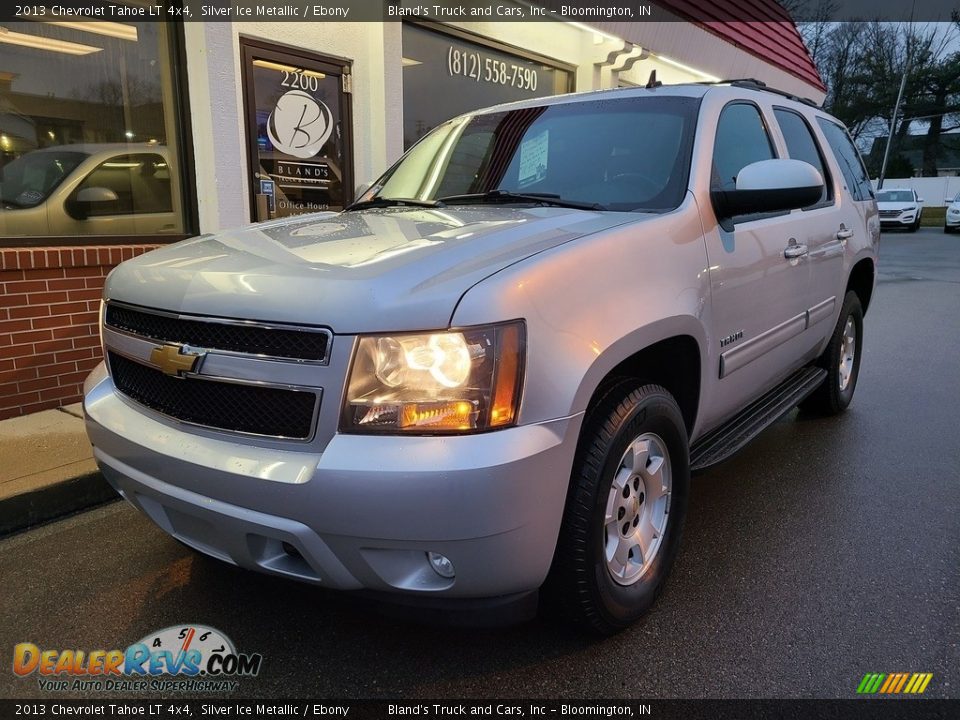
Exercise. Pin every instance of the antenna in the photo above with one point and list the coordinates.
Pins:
(653, 82)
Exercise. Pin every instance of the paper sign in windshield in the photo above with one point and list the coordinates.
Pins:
(533, 159)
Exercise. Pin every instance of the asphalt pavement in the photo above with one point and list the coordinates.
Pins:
(827, 549)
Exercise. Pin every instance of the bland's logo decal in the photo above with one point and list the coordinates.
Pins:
(300, 124)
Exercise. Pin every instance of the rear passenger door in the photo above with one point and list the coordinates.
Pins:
(854, 202)
(823, 225)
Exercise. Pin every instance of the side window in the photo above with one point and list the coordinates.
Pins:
(741, 139)
(851, 165)
(141, 183)
(801, 145)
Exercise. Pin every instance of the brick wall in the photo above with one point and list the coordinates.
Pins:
(49, 339)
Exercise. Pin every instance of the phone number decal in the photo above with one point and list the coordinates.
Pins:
(474, 65)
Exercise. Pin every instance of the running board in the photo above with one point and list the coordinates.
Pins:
(718, 445)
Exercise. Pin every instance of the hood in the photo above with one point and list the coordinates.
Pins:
(364, 271)
(882, 205)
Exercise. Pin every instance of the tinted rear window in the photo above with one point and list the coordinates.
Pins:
(848, 158)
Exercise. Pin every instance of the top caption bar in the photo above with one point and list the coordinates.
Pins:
(481, 10)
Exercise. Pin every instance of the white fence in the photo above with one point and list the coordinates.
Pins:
(933, 190)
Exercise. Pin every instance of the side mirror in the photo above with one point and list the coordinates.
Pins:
(96, 195)
(80, 206)
(919, 199)
(770, 186)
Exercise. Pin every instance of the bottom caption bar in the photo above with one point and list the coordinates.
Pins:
(376, 709)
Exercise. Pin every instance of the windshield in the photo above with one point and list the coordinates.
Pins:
(895, 196)
(29, 180)
(618, 154)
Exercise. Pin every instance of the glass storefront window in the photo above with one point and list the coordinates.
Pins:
(445, 75)
(90, 143)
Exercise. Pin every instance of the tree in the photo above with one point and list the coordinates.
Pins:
(862, 65)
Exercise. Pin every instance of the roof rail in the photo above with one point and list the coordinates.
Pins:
(754, 84)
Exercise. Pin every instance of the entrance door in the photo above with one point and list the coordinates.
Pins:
(298, 131)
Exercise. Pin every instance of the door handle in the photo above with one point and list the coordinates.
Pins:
(844, 234)
(794, 250)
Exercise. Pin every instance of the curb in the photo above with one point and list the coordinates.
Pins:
(54, 502)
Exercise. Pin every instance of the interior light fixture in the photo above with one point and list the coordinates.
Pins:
(110, 29)
(270, 65)
(44, 43)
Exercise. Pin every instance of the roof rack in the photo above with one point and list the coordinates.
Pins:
(754, 84)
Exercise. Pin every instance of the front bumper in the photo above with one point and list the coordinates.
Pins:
(952, 221)
(903, 220)
(360, 515)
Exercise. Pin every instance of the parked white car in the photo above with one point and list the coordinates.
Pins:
(951, 223)
(900, 207)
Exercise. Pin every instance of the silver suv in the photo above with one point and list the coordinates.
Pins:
(495, 372)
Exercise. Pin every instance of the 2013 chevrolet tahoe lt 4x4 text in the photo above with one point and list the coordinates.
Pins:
(494, 373)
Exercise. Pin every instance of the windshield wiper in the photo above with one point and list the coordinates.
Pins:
(505, 196)
(382, 202)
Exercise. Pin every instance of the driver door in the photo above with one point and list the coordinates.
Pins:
(759, 295)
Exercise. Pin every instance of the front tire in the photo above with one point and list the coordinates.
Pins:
(625, 508)
(841, 360)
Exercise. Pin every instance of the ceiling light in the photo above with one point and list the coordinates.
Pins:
(110, 29)
(287, 68)
(686, 68)
(43, 43)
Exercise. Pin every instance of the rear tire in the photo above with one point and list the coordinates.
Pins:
(625, 509)
(841, 360)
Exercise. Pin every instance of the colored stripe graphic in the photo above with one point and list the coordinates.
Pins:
(894, 683)
(901, 682)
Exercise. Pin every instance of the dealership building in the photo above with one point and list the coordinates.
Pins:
(117, 136)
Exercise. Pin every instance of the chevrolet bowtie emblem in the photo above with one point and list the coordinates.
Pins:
(175, 359)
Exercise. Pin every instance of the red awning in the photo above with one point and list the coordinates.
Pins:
(770, 34)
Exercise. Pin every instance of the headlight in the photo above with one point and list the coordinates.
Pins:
(457, 381)
(909, 209)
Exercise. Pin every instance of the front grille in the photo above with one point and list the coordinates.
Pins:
(889, 213)
(282, 342)
(221, 405)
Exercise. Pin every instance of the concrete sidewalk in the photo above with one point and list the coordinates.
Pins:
(47, 469)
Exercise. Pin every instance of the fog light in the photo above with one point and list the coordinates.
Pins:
(441, 565)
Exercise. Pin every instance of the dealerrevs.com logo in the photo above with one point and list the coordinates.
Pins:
(180, 657)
